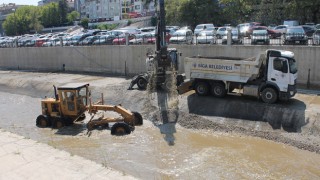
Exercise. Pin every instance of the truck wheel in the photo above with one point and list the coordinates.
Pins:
(269, 95)
(42, 121)
(218, 90)
(138, 121)
(142, 83)
(202, 88)
(120, 128)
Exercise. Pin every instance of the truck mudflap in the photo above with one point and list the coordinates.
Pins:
(185, 87)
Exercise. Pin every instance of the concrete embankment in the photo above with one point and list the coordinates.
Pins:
(23, 158)
(130, 60)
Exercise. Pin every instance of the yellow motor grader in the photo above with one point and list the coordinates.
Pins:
(73, 100)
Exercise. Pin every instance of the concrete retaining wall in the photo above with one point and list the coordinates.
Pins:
(130, 60)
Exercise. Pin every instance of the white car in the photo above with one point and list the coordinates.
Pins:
(202, 27)
(181, 36)
(206, 37)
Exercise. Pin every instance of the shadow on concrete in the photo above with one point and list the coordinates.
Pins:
(290, 115)
(167, 116)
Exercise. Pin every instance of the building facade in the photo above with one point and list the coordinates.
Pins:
(97, 10)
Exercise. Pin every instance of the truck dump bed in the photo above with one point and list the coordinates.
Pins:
(223, 68)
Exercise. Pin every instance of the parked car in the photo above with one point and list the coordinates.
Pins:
(202, 27)
(206, 37)
(89, 40)
(121, 40)
(316, 37)
(309, 30)
(260, 37)
(51, 42)
(281, 28)
(221, 31)
(295, 35)
(140, 38)
(245, 28)
(152, 39)
(181, 36)
(104, 40)
(272, 32)
(235, 37)
(147, 29)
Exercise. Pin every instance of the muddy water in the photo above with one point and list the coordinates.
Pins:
(165, 151)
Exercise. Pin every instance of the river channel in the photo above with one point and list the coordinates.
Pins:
(146, 153)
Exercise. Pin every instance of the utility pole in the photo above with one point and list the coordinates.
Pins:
(15, 25)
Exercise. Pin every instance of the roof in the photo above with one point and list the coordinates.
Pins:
(73, 86)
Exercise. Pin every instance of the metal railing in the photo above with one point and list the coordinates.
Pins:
(292, 39)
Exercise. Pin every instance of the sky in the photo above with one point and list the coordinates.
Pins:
(20, 2)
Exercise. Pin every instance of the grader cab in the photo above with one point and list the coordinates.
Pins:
(73, 100)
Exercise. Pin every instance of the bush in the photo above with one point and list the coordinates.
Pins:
(84, 23)
(129, 23)
(154, 21)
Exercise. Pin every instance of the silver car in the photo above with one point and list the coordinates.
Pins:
(206, 37)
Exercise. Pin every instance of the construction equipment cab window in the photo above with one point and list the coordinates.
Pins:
(69, 100)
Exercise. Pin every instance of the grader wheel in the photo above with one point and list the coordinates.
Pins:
(42, 121)
(120, 129)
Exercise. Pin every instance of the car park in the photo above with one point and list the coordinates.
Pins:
(206, 37)
(260, 37)
(181, 36)
(295, 35)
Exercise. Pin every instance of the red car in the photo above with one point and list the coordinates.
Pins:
(152, 40)
(40, 41)
(121, 40)
(273, 33)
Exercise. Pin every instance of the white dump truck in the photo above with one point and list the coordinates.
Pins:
(270, 76)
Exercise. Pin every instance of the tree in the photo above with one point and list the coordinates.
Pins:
(85, 23)
(22, 21)
(74, 15)
(35, 23)
(62, 11)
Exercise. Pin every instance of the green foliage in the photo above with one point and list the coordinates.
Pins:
(84, 23)
(74, 15)
(62, 11)
(191, 12)
(23, 20)
(106, 26)
(153, 21)
(129, 22)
